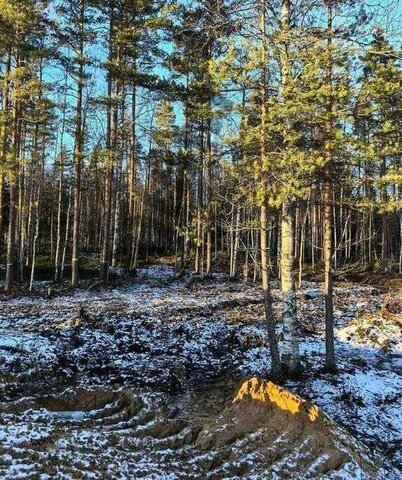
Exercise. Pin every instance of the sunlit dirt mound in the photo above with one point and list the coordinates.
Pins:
(264, 432)
(283, 436)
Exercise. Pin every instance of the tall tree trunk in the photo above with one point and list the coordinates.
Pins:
(116, 238)
(57, 257)
(78, 150)
(327, 200)
(208, 181)
(267, 297)
(12, 218)
(110, 154)
(290, 356)
(11, 247)
(4, 136)
(37, 221)
(59, 212)
(132, 176)
(384, 226)
(200, 195)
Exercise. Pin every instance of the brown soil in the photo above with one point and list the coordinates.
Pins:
(265, 431)
(288, 435)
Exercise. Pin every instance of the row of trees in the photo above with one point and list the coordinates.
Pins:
(266, 134)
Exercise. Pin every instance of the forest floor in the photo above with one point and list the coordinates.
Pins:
(136, 381)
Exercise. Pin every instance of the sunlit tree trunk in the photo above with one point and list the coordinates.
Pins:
(57, 257)
(4, 136)
(267, 297)
(290, 355)
(327, 200)
(13, 195)
(110, 155)
(78, 149)
(37, 220)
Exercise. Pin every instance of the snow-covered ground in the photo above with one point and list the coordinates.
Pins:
(162, 338)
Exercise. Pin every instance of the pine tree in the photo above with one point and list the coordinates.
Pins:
(264, 168)
(75, 33)
(20, 23)
(378, 121)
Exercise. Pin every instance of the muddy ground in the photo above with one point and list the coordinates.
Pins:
(130, 381)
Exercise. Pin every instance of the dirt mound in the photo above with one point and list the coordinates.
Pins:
(282, 436)
(264, 432)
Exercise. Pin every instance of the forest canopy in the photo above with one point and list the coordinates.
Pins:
(261, 137)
